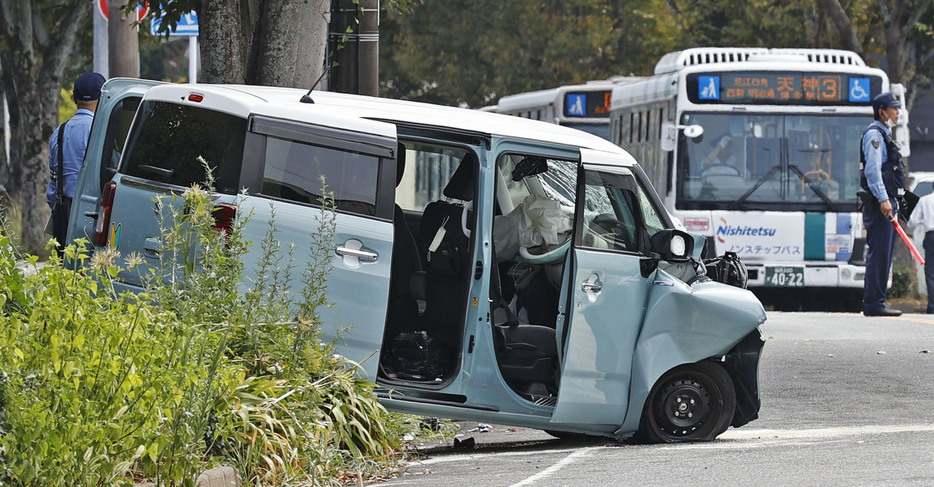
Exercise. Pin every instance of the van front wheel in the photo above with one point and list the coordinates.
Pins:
(693, 402)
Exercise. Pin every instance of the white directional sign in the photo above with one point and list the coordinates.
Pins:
(187, 25)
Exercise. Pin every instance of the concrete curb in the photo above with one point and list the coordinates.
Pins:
(215, 477)
(218, 477)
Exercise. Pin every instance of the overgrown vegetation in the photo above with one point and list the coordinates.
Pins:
(103, 388)
(903, 283)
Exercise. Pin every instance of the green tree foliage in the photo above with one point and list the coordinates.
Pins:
(471, 52)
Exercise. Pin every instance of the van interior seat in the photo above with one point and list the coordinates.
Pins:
(405, 265)
(447, 269)
(527, 354)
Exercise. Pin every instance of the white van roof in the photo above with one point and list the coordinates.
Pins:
(243, 100)
(262, 100)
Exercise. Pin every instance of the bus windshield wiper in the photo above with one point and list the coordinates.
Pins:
(823, 196)
(742, 199)
(820, 193)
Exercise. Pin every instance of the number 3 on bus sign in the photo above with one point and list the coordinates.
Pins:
(784, 276)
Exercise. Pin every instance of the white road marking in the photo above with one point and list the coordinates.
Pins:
(734, 438)
(751, 434)
(548, 472)
(480, 456)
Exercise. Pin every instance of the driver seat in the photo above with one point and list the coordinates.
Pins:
(527, 354)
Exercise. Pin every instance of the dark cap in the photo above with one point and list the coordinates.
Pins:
(885, 100)
(88, 86)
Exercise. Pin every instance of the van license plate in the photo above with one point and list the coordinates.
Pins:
(784, 276)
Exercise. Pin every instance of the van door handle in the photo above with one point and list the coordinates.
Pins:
(152, 248)
(592, 284)
(353, 252)
(365, 255)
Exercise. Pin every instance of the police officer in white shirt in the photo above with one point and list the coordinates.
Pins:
(924, 215)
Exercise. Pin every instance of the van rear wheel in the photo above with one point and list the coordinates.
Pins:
(693, 402)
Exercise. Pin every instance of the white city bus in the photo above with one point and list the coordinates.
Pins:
(584, 107)
(773, 174)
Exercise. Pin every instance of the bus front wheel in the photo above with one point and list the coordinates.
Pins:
(693, 402)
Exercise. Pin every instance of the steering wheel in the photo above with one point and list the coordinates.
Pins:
(818, 174)
(541, 256)
(720, 169)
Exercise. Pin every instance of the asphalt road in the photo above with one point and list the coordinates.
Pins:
(846, 400)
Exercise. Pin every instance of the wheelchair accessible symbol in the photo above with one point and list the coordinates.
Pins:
(859, 90)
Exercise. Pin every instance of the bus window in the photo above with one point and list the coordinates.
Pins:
(770, 158)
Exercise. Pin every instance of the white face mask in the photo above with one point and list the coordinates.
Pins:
(890, 123)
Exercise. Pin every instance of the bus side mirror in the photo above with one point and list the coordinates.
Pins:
(670, 134)
(900, 132)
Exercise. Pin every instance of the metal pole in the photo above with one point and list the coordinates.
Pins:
(354, 46)
(101, 59)
(193, 59)
(368, 73)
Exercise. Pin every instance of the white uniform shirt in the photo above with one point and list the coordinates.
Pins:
(923, 213)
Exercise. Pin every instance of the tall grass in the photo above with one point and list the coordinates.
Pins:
(102, 388)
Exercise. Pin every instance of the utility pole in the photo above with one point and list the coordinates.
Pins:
(123, 44)
(354, 46)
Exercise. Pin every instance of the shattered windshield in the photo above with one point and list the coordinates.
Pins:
(765, 161)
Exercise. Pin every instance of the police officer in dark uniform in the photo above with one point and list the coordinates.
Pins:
(882, 177)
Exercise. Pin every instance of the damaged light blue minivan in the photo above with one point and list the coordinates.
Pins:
(502, 270)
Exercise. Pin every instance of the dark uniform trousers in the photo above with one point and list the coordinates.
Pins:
(929, 268)
(880, 236)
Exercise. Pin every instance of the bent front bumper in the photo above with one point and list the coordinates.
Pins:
(743, 365)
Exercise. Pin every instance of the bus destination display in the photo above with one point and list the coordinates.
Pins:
(783, 88)
(590, 104)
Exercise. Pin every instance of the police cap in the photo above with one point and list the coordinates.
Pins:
(885, 100)
(88, 86)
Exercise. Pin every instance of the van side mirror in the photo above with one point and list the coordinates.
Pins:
(670, 245)
(673, 245)
(670, 134)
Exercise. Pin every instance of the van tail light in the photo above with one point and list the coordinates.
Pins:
(103, 213)
(224, 216)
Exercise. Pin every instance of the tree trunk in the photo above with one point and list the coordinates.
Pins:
(841, 20)
(223, 37)
(271, 42)
(123, 42)
(42, 40)
(292, 43)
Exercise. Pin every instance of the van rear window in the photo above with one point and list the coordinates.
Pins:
(167, 139)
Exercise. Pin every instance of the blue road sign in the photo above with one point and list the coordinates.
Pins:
(187, 25)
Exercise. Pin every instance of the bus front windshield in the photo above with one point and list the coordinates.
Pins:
(770, 161)
(598, 129)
